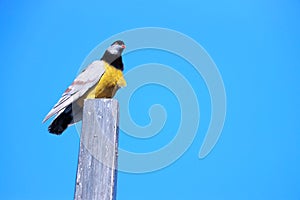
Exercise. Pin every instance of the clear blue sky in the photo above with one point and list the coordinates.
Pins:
(256, 47)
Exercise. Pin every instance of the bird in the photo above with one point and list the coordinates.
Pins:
(101, 79)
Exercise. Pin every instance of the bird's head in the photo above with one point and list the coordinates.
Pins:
(113, 56)
(116, 48)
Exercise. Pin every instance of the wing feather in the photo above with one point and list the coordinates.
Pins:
(83, 82)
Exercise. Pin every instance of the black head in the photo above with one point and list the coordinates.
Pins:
(113, 54)
(116, 48)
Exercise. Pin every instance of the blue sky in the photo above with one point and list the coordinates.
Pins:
(256, 47)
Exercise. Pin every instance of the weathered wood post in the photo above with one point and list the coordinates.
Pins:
(97, 163)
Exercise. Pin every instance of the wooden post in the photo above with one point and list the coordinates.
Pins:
(97, 163)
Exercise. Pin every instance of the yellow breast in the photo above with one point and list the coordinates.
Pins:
(109, 83)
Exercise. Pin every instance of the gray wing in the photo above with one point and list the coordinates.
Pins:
(83, 82)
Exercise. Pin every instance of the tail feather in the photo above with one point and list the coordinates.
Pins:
(61, 122)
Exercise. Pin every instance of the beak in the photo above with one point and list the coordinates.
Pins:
(123, 46)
